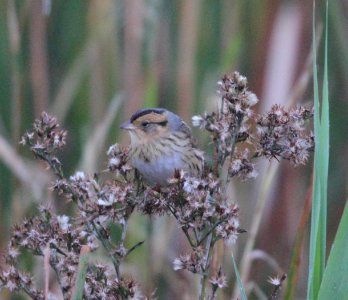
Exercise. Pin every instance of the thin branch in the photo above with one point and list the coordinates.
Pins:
(210, 231)
(192, 244)
(134, 247)
(107, 247)
(204, 276)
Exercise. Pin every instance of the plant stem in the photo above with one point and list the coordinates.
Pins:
(204, 277)
(216, 162)
(77, 293)
(192, 244)
(134, 247)
(209, 232)
(107, 247)
(185, 231)
(124, 231)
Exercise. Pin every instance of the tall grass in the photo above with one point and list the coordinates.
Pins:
(317, 251)
(239, 280)
(330, 283)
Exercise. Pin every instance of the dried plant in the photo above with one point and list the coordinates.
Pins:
(200, 205)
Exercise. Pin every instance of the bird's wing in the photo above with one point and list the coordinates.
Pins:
(188, 132)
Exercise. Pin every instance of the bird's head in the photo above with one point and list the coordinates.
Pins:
(151, 123)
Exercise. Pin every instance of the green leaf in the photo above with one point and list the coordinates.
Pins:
(334, 284)
(81, 273)
(239, 281)
(324, 152)
(317, 252)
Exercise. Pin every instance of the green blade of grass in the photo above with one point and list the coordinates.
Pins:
(81, 273)
(313, 272)
(334, 284)
(239, 281)
(314, 276)
(317, 252)
(324, 142)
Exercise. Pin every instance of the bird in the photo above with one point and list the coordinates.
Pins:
(161, 143)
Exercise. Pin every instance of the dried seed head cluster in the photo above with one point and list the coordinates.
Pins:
(192, 262)
(99, 204)
(202, 211)
(65, 243)
(241, 166)
(118, 160)
(229, 126)
(103, 286)
(219, 280)
(65, 240)
(199, 204)
(282, 134)
(14, 280)
(45, 139)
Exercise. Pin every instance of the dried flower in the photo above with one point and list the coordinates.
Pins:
(251, 99)
(118, 160)
(193, 262)
(242, 167)
(228, 127)
(281, 134)
(219, 280)
(274, 280)
(277, 282)
(78, 176)
(63, 222)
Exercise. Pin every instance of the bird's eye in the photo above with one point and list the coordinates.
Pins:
(145, 123)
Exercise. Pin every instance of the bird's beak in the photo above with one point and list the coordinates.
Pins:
(127, 125)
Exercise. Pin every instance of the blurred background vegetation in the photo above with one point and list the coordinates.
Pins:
(93, 63)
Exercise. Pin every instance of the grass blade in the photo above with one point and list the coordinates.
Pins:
(239, 281)
(317, 252)
(324, 139)
(312, 278)
(81, 273)
(334, 284)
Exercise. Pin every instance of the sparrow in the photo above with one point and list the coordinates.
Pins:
(160, 143)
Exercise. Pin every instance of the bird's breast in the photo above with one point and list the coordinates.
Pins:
(158, 170)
